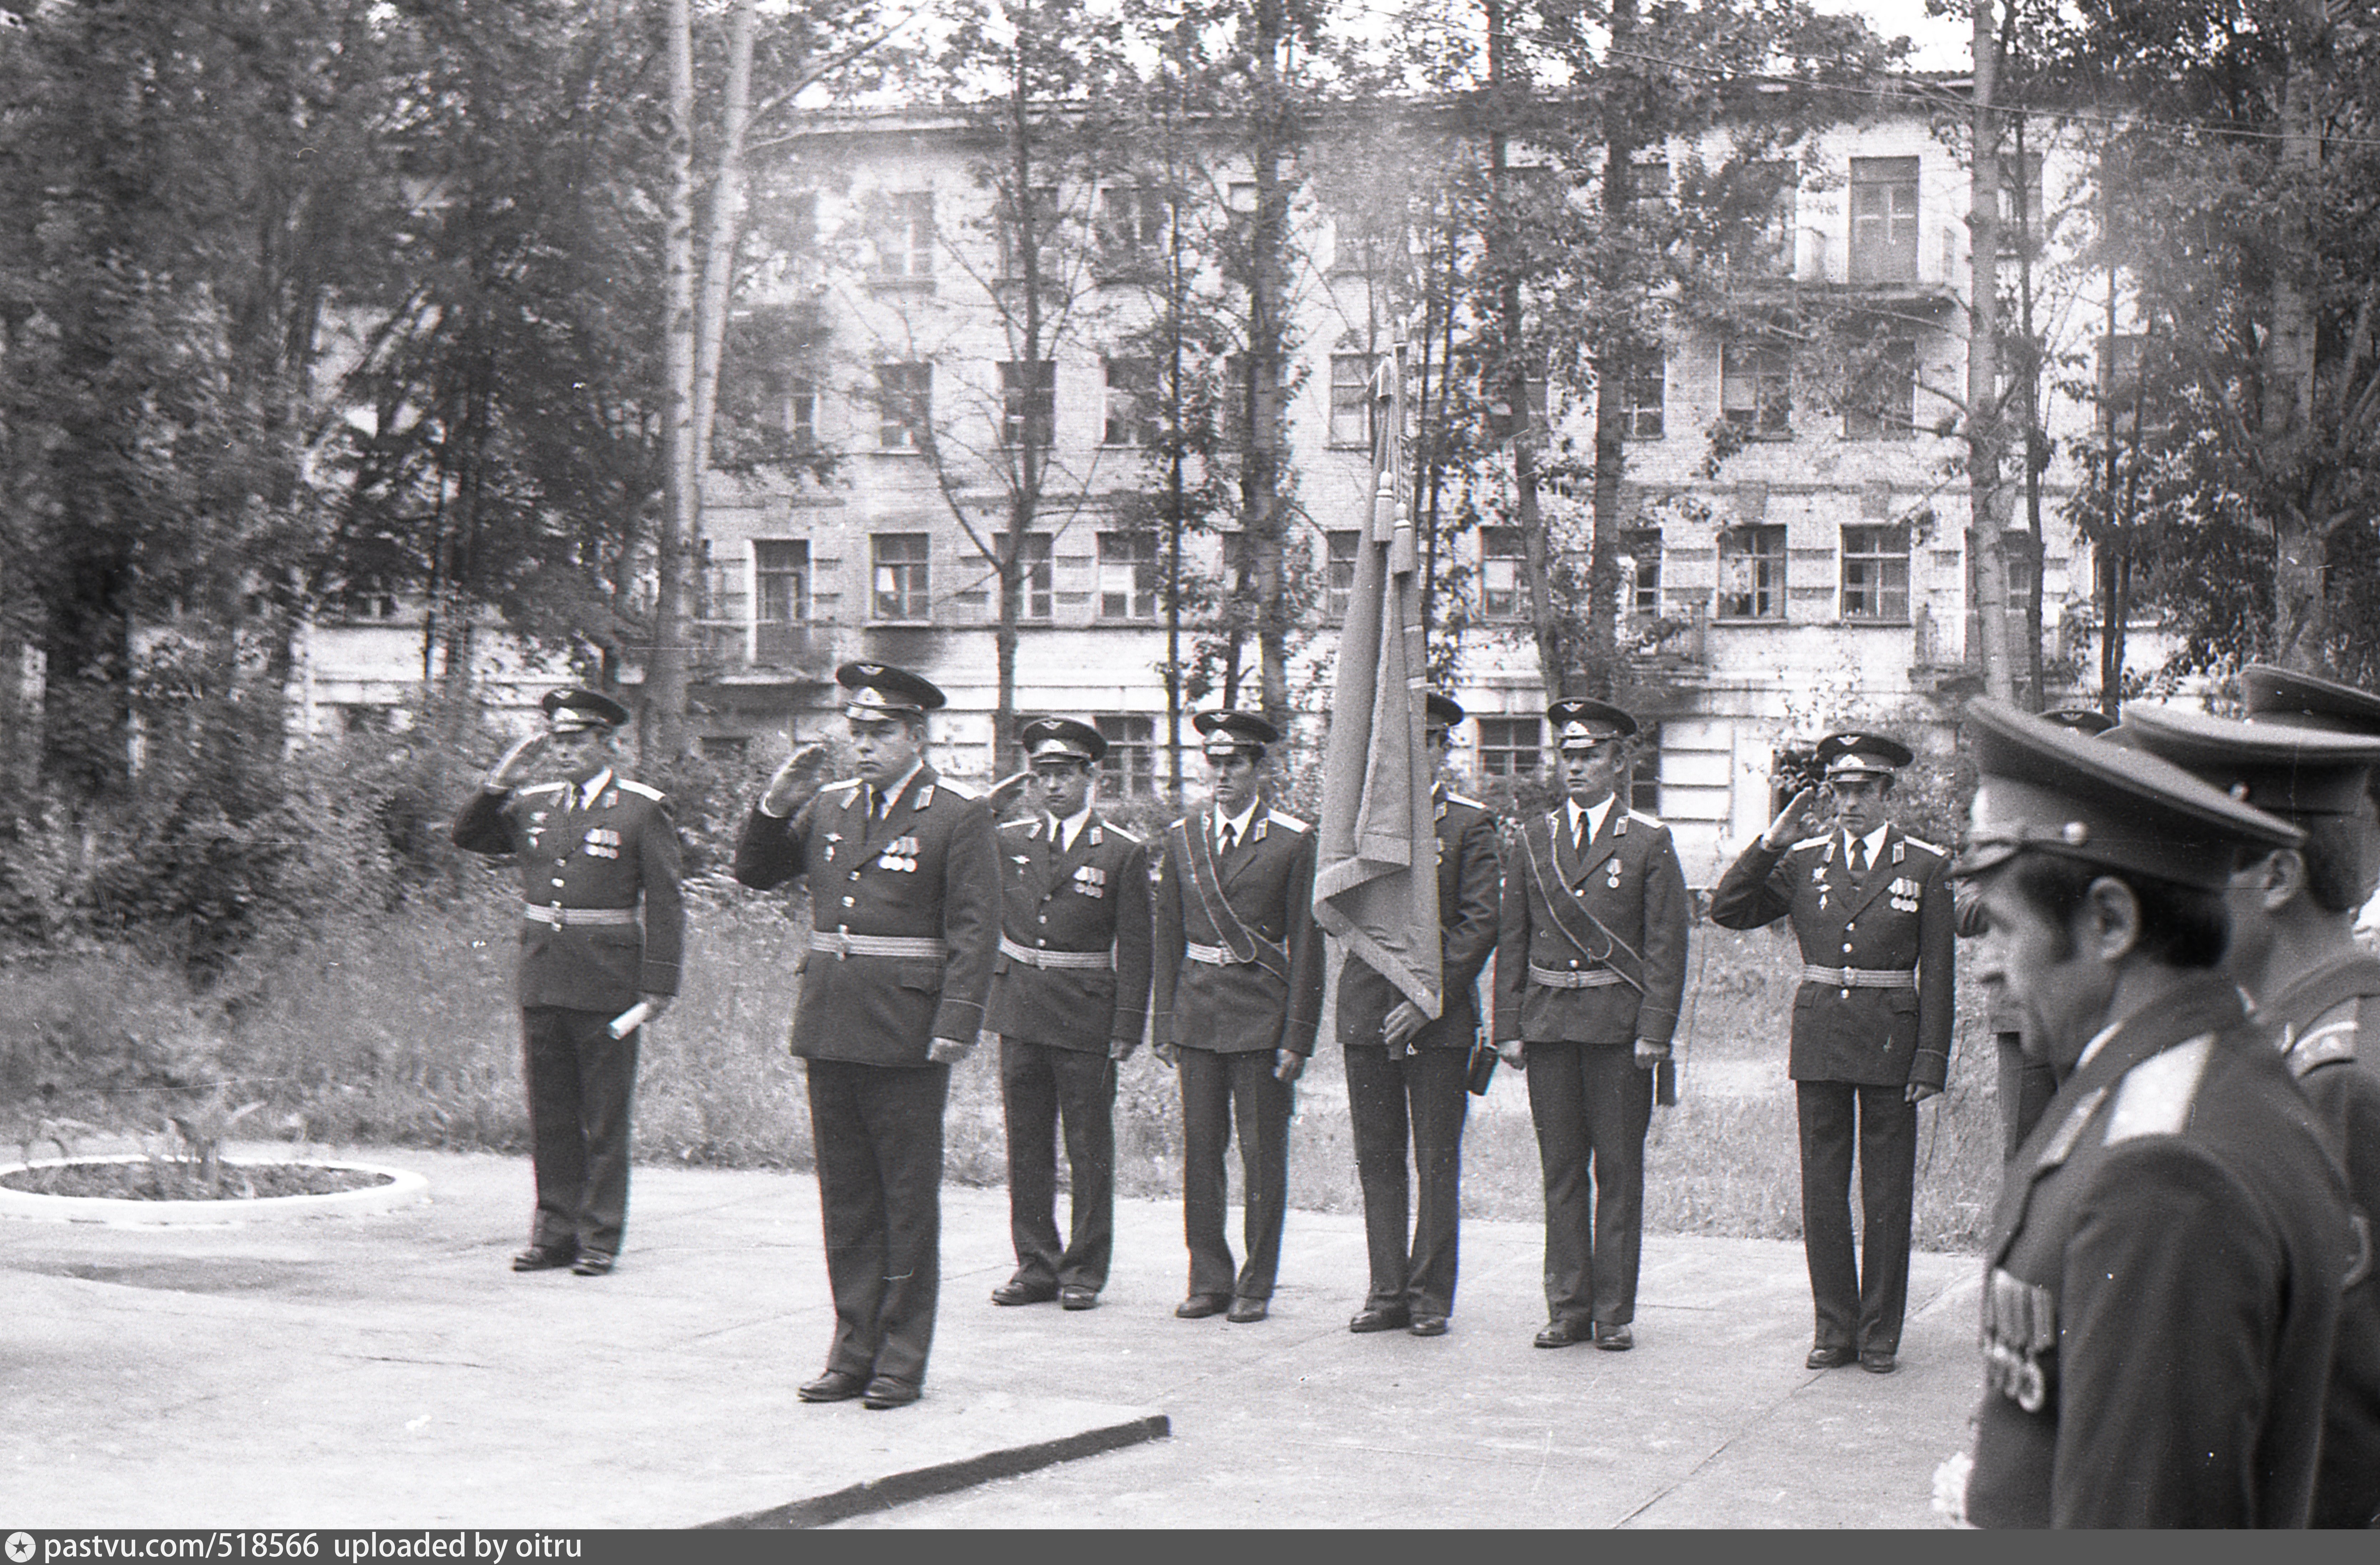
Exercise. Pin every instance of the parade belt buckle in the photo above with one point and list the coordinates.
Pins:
(842, 944)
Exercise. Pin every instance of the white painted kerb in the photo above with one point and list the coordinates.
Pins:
(402, 1189)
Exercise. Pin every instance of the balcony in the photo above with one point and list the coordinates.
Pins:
(791, 651)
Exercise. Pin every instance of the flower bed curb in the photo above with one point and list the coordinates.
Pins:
(402, 1189)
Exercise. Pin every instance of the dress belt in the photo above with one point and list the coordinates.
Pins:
(1860, 978)
(914, 948)
(614, 917)
(1083, 960)
(1592, 978)
(1213, 956)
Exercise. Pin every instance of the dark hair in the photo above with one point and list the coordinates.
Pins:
(2342, 860)
(2180, 926)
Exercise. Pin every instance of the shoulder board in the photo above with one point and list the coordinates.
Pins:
(961, 789)
(1642, 818)
(1291, 821)
(1929, 847)
(542, 788)
(1028, 824)
(842, 782)
(1461, 799)
(2157, 1093)
(640, 790)
(1817, 841)
(1115, 830)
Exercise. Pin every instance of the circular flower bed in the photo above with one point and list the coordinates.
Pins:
(149, 1192)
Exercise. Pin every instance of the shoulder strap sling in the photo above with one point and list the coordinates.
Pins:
(1616, 953)
(1245, 944)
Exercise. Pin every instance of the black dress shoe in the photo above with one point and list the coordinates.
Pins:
(835, 1386)
(1823, 1357)
(1022, 1293)
(1428, 1325)
(886, 1391)
(593, 1263)
(1244, 1309)
(1562, 1334)
(1879, 1361)
(1079, 1298)
(1375, 1319)
(1198, 1307)
(1614, 1338)
(546, 1257)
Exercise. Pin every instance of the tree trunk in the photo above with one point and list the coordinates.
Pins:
(1264, 517)
(1601, 653)
(1988, 502)
(2300, 618)
(664, 728)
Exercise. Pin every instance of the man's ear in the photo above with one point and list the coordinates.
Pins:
(2108, 921)
(2279, 878)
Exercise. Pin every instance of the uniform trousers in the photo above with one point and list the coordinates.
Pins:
(1423, 1090)
(580, 1079)
(878, 1133)
(1041, 1084)
(1859, 1304)
(2025, 1086)
(1216, 1087)
(1592, 1103)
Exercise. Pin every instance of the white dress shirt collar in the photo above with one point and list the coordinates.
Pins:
(1596, 814)
(593, 789)
(1070, 830)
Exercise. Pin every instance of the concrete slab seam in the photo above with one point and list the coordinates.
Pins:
(946, 1477)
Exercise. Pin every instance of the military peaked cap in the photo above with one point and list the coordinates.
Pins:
(1062, 738)
(572, 711)
(2081, 720)
(2286, 771)
(1852, 753)
(1443, 710)
(881, 690)
(1229, 731)
(2054, 791)
(2286, 697)
(1582, 721)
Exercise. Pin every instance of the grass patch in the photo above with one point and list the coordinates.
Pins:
(401, 1030)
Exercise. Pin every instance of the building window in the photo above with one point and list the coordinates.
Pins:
(365, 597)
(1499, 407)
(2020, 202)
(1351, 399)
(1338, 568)
(1761, 242)
(1875, 573)
(1644, 389)
(1127, 570)
(801, 411)
(1883, 401)
(1129, 768)
(1028, 402)
(1644, 773)
(1503, 574)
(902, 579)
(780, 601)
(1041, 217)
(904, 238)
(1131, 402)
(2129, 368)
(1884, 219)
(1641, 548)
(1755, 389)
(1033, 594)
(1752, 573)
(904, 403)
(1511, 746)
(1131, 223)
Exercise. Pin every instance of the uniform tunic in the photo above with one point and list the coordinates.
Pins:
(2161, 1288)
(2328, 1026)
(1591, 1101)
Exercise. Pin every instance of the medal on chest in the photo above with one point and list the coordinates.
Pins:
(900, 854)
(1904, 894)
(1090, 881)
(601, 842)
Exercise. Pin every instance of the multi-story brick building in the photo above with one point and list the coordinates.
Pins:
(1821, 577)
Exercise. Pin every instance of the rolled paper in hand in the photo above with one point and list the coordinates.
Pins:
(628, 1021)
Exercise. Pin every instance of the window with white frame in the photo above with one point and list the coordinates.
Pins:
(1752, 573)
(1755, 389)
(1131, 404)
(904, 236)
(1883, 401)
(1351, 399)
(1339, 567)
(904, 401)
(1884, 219)
(1129, 769)
(902, 579)
(1503, 574)
(1028, 402)
(1642, 546)
(1511, 746)
(1127, 575)
(1034, 598)
(1875, 572)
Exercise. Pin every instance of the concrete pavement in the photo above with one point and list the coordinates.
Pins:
(389, 1371)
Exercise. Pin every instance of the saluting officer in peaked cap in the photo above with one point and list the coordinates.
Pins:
(2154, 1356)
(881, 690)
(1871, 1030)
(595, 849)
(903, 877)
(1069, 998)
(2315, 993)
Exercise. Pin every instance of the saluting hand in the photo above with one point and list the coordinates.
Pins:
(1011, 789)
(1792, 822)
(506, 774)
(791, 780)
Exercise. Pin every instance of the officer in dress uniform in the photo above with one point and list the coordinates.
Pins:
(1398, 1060)
(1871, 1029)
(905, 909)
(1069, 997)
(2293, 952)
(2025, 1086)
(1590, 964)
(592, 847)
(1236, 1003)
(2163, 1272)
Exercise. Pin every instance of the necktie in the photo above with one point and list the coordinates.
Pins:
(1859, 858)
(1229, 838)
(876, 805)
